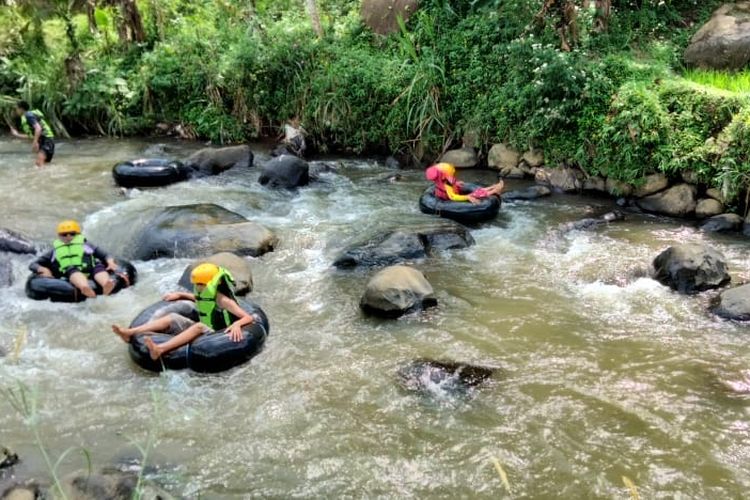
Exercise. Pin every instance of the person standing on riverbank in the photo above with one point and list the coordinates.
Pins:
(36, 128)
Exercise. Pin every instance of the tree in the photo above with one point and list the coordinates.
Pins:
(312, 11)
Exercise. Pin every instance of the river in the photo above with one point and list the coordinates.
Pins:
(602, 373)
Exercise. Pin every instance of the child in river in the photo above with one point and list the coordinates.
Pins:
(448, 187)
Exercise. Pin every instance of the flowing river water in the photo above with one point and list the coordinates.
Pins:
(602, 373)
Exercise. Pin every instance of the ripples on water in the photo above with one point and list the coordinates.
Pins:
(603, 372)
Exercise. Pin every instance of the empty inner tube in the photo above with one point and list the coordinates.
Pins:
(211, 352)
(460, 211)
(60, 290)
(152, 172)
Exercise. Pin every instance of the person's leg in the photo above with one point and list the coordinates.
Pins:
(155, 326)
(81, 282)
(41, 158)
(48, 146)
(496, 189)
(185, 337)
(105, 281)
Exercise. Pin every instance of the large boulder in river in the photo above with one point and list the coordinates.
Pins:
(212, 161)
(431, 377)
(502, 157)
(196, 230)
(461, 158)
(382, 15)
(691, 268)
(13, 242)
(237, 266)
(404, 244)
(724, 41)
(734, 303)
(651, 184)
(285, 172)
(677, 201)
(708, 207)
(563, 179)
(397, 290)
(723, 223)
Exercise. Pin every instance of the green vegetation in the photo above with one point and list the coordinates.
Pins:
(603, 90)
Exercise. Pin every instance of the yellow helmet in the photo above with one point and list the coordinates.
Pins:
(203, 273)
(447, 169)
(68, 226)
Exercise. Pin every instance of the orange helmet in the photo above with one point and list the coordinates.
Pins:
(203, 273)
(68, 226)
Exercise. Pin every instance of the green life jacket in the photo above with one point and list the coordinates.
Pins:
(73, 254)
(209, 312)
(46, 129)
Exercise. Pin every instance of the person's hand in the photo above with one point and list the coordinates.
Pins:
(111, 265)
(14, 131)
(235, 332)
(35, 147)
(474, 201)
(171, 297)
(43, 271)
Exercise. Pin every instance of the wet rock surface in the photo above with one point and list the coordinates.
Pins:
(395, 291)
(428, 376)
(691, 268)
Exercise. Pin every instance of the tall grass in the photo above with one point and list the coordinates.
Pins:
(724, 80)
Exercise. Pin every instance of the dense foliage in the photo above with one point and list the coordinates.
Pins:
(607, 94)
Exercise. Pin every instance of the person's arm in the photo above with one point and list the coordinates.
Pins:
(170, 297)
(103, 256)
(37, 136)
(453, 195)
(17, 134)
(43, 265)
(243, 318)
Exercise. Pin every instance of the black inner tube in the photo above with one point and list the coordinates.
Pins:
(153, 172)
(60, 290)
(210, 353)
(460, 211)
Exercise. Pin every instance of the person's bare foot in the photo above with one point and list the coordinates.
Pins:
(108, 287)
(153, 349)
(88, 292)
(123, 333)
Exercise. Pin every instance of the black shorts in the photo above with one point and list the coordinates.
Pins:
(48, 146)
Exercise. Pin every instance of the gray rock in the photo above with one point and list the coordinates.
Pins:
(7, 458)
(397, 290)
(618, 188)
(381, 15)
(691, 268)
(651, 184)
(708, 207)
(715, 194)
(724, 223)
(530, 193)
(427, 376)
(724, 41)
(735, 303)
(690, 176)
(595, 183)
(285, 172)
(461, 158)
(512, 173)
(502, 157)
(392, 162)
(212, 161)
(563, 179)
(13, 242)
(677, 201)
(197, 230)
(591, 222)
(110, 485)
(6, 272)
(533, 158)
(404, 244)
(22, 493)
(237, 266)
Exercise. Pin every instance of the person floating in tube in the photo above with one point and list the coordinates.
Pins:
(213, 294)
(75, 259)
(448, 187)
(36, 128)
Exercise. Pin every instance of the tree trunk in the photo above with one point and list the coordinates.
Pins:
(312, 11)
(603, 11)
(91, 16)
(131, 19)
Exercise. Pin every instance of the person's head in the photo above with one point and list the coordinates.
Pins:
(202, 274)
(67, 230)
(21, 107)
(294, 121)
(447, 169)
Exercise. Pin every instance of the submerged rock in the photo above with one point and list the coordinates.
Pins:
(404, 244)
(735, 303)
(724, 223)
(430, 376)
(237, 266)
(691, 268)
(724, 41)
(530, 193)
(392, 162)
(110, 485)
(592, 222)
(7, 458)
(677, 201)
(13, 242)
(201, 229)
(285, 172)
(397, 290)
(212, 161)
(6, 272)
